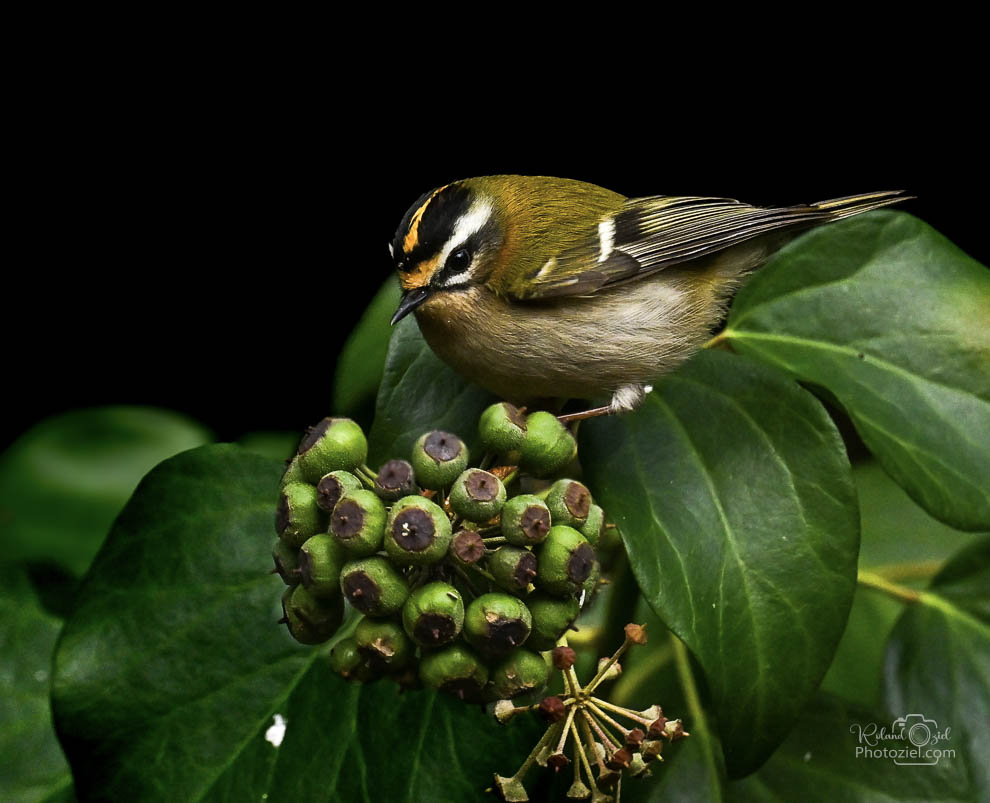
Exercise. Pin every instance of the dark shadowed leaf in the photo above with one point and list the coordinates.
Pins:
(826, 759)
(938, 665)
(894, 320)
(733, 494)
(33, 767)
(361, 362)
(420, 393)
(63, 482)
(171, 669)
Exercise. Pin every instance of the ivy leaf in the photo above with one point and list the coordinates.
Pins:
(825, 758)
(361, 362)
(33, 766)
(893, 320)
(938, 664)
(63, 482)
(419, 392)
(171, 669)
(898, 540)
(733, 494)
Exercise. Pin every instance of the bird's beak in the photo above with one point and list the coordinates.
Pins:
(412, 299)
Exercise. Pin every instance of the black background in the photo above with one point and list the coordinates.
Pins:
(207, 245)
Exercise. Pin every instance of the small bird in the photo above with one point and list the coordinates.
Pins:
(536, 287)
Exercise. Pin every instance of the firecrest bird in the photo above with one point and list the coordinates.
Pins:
(537, 287)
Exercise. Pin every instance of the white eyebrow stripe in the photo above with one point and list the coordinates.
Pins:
(606, 237)
(471, 222)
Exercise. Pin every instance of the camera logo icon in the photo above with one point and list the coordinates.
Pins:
(917, 728)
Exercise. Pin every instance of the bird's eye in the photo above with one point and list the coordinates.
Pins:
(458, 260)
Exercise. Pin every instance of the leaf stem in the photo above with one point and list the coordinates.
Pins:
(878, 583)
(917, 570)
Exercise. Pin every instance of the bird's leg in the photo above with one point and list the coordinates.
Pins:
(625, 399)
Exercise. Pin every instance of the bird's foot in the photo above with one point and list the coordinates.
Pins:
(625, 399)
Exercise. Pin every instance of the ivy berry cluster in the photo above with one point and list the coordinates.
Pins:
(467, 578)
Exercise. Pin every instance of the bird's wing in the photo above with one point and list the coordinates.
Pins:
(647, 235)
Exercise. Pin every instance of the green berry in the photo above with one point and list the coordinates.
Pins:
(502, 428)
(320, 561)
(565, 561)
(293, 473)
(552, 616)
(497, 623)
(433, 615)
(513, 568)
(438, 458)
(297, 515)
(521, 671)
(548, 445)
(348, 662)
(457, 670)
(311, 620)
(525, 520)
(334, 485)
(569, 502)
(477, 495)
(286, 560)
(358, 522)
(467, 547)
(594, 526)
(383, 644)
(335, 444)
(395, 479)
(417, 532)
(373, 586)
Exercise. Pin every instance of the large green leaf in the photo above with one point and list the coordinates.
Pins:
(894, 320)
(33, 767)
(171, 669)
(826, 759)
(361, 362)
(420, 393)
(902, 542)
(733, 493)
(938, 664)
(63, 482)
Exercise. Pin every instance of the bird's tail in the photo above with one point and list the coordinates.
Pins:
(839, 208)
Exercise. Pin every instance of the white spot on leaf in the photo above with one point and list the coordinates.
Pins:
(276, 733)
